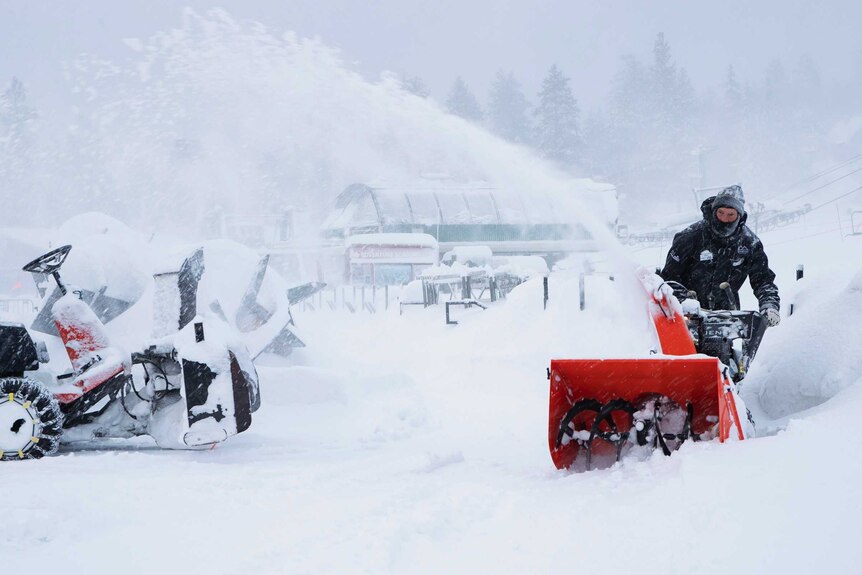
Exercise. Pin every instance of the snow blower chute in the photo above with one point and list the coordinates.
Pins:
(601, 408)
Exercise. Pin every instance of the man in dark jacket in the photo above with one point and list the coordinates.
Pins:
(721, 248)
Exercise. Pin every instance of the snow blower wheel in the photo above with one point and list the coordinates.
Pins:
(31, 422)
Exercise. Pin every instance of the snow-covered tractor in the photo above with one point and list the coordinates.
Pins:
(191, 388)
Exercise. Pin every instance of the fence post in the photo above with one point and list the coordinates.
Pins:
(449, 321)
(581, 290)
(800, 273)
(545, 290)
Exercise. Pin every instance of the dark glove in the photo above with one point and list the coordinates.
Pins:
(680, 291)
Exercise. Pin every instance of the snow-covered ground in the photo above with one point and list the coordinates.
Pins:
(398, 444)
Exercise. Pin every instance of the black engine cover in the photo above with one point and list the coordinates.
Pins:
(17, 350)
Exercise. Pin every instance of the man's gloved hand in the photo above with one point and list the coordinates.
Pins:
(773, 318)
(679, 291)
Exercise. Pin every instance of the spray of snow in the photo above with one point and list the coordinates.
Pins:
(223, 117)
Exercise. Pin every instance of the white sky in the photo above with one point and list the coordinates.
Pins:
(438, 40)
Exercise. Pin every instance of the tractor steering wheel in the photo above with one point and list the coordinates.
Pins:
(48, 263)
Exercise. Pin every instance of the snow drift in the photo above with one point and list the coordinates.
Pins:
(816, 355)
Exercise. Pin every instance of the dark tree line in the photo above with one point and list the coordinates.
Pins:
(656, 136)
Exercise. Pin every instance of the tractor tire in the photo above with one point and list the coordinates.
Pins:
(31, 422)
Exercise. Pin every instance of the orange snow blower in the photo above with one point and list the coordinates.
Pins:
(601, 408)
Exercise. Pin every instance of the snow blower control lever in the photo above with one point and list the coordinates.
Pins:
(725, 287)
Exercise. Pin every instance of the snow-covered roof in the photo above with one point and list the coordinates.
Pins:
(477, 255)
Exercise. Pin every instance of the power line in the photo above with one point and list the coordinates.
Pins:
(824, 185)
(818, 175)
(826, 203)
(832, 169)
(853, 191)
(772, 244)
(833, 200)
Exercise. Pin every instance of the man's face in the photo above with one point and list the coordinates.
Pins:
(726, 215)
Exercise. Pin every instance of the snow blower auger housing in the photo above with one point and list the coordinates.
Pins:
(601, 408)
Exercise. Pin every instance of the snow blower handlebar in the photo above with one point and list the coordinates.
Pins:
(681, 292)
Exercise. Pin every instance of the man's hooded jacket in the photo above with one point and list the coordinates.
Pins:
(709, 252)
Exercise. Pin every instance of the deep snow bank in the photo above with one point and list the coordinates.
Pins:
(816, 353)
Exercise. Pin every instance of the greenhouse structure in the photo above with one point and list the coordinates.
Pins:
(473, 213)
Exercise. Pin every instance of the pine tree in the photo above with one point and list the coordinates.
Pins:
(732, 91)
(672, 95)
(630, 85)
(625, 128)
(663, 74)
(16, 115)
(684, 98)
(558, 134)
(775, 86)
(507, 109)
(806, 82)
(462, 102)
(653, 119)
(16, 150)
(415, 85)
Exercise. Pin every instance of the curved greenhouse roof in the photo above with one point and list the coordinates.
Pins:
(384, 207)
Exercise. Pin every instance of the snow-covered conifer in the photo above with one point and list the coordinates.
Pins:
(558, 134)
(462, 102)
(507, 109)
(415, 85)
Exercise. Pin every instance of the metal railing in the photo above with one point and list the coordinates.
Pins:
(355, 298)
(17, 308)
